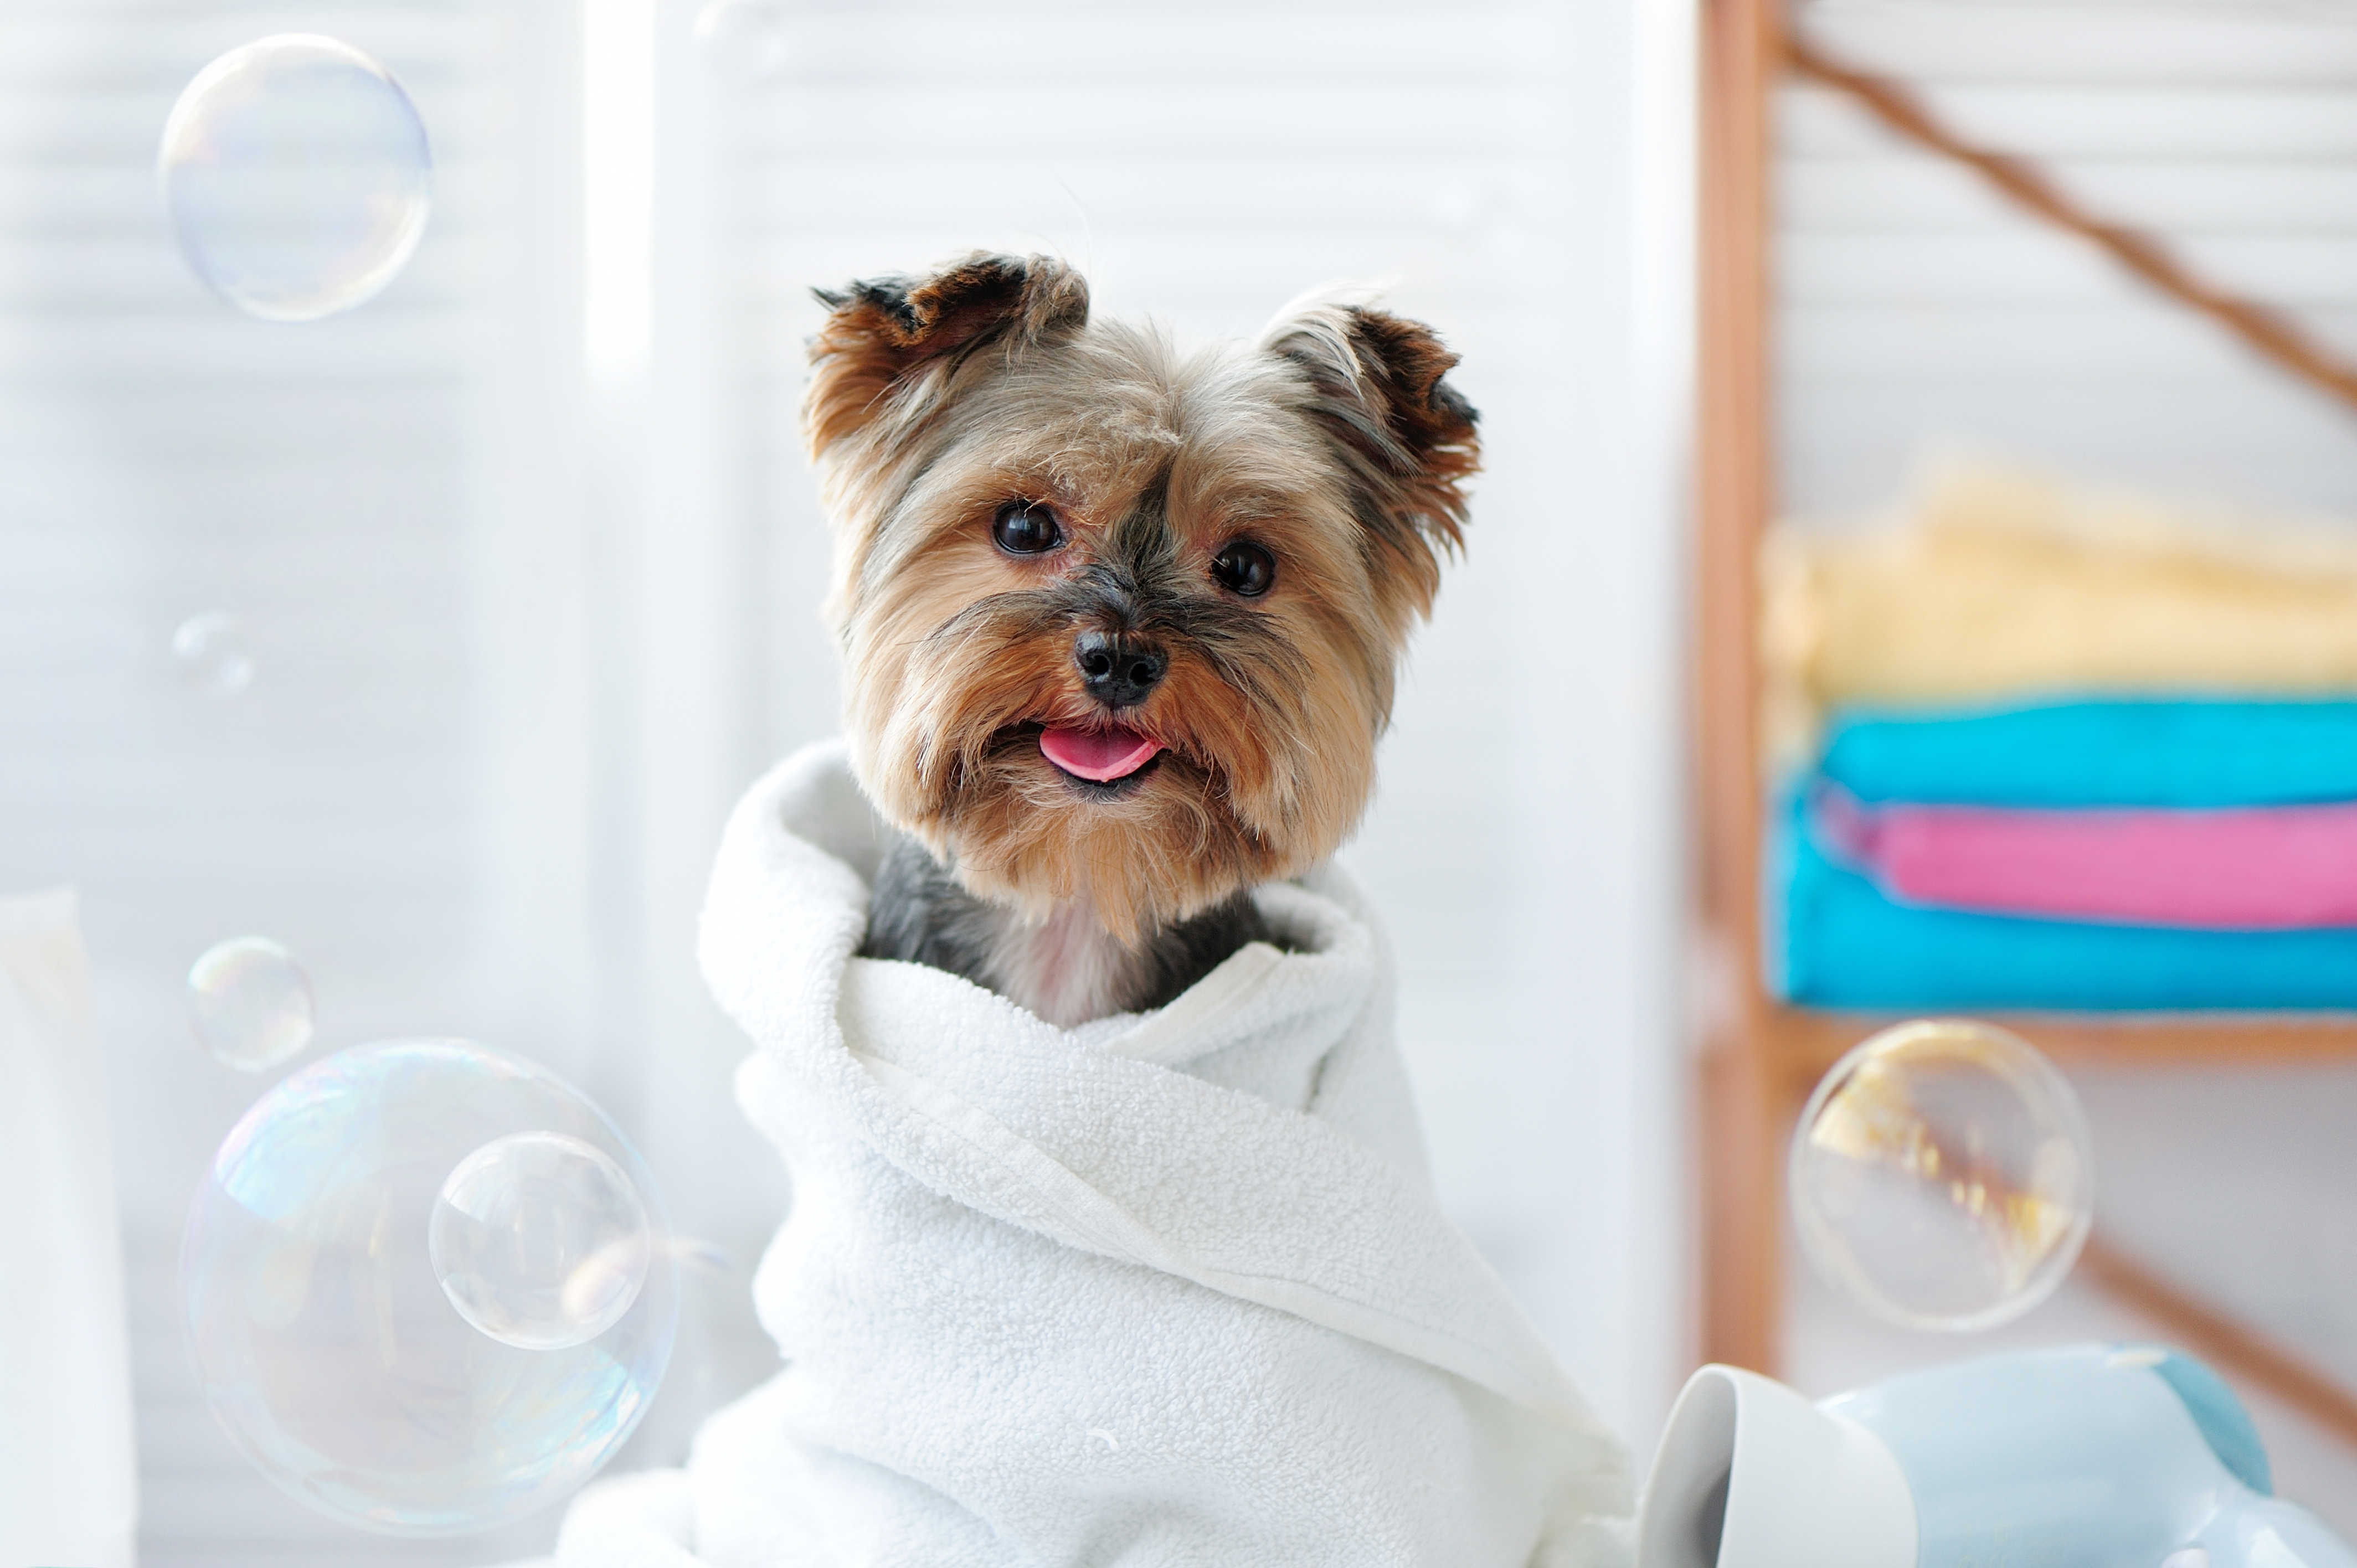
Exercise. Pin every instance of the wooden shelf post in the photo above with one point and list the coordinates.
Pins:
(1740, 1095)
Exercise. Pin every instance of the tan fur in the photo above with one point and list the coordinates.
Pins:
(1331, 443)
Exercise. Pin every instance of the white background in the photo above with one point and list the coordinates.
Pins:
(529, 559)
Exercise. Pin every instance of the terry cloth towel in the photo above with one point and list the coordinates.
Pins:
(1843, 942)
(68, 1475)
(1999, 584)
(1166, 1289)
(2259, 869)
(2167, 754)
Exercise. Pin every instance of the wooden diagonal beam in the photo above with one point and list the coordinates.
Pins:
(2265, 329)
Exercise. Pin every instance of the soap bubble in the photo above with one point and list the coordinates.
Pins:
(321, 1331)
(540, 1240)
(745, 37)
(1942, 1176)
(210, 650)
(297, 174)
(250, 1003)
(704, 1257)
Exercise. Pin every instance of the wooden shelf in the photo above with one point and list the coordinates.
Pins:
(1760, 1058)
(1804, 1042)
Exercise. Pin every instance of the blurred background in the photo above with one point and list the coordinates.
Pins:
(527, 559)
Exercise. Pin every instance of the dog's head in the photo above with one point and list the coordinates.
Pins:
(1121, 623)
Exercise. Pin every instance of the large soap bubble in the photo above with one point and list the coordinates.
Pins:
(297, 177)
(540, 1240)
(321, 1330)
(250, 1003)
(1942, 1176)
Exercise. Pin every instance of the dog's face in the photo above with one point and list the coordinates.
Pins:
(1118, 623)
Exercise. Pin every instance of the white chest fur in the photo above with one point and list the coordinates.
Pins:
(1066, 969)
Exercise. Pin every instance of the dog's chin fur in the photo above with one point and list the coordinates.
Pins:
(1333, 445)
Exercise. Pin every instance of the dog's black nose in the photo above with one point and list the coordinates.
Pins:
(1118, 669)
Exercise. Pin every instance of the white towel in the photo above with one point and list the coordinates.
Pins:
(1169, 1289)
(69, 1476)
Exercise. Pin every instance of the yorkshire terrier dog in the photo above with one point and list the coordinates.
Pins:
(1120, 623)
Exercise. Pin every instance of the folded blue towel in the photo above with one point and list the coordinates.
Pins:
(1845, 945)
(2160, 752)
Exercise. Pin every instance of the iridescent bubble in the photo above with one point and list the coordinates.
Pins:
(212, 654)
(1942, 1176)
(746, 39)
(297, 177)
(322, 1334)
(250, 1003)
(704, 1257)
(540, 1240)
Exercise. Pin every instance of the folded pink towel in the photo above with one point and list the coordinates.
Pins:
(2260, 868)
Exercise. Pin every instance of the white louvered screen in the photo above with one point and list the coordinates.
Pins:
(1917, 306)
(521, 641)
(339, 487)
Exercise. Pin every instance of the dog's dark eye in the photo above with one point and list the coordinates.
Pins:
(1244, 568)
(1025, 528)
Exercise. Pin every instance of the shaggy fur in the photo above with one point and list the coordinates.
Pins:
(1333, 445)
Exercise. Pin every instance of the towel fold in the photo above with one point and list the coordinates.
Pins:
(1843, 942)
(2005, 585)
(2084, 752)
(2268, 868)
(1169, 1289)
(2156, 753)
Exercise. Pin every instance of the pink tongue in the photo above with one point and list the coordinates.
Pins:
(1103, 755)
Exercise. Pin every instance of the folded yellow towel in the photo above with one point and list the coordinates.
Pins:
(1999, 584)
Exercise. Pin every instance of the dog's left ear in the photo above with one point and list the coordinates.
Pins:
(883, 332)
(1376, 385)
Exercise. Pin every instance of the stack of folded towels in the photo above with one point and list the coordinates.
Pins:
(2038, 746)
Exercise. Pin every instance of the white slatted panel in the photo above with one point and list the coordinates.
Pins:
(161, 455)
(506, 693)
(1917, 308)
(1203, 164)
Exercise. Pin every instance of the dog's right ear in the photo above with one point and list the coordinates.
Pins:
(880, 333)
(1411, 442)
